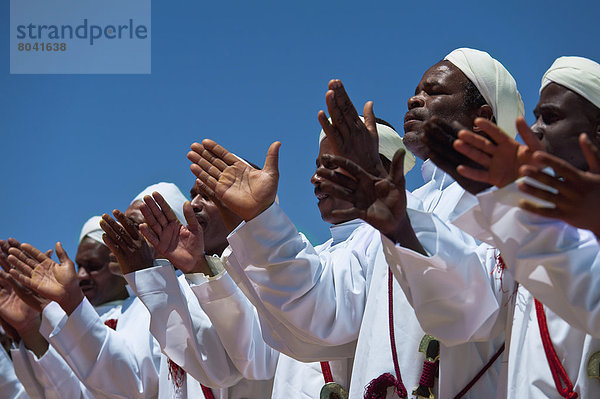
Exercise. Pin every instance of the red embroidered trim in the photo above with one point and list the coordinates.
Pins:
(207, 392)
(558, 371)
(326, 369)
(176, 374)
(428, 374)
(112, 323)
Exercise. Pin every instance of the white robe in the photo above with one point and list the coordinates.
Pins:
(496, 220)
(188, 337)
(50, 376)
(121, 363)
(321, 294)
(435, 286)
(238, 324)
(10, 386)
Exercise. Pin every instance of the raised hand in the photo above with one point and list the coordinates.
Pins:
(53, 281)
(182, 245)
(577, 192)
(13, 309)
(230, 219)
(498, 157)
(348, 135)
(439, 138)
(124, 240)
(243, 189)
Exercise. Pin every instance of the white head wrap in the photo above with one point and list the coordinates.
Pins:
(578, 74)
(495, 84)
(389, 143)
(92, 229)
(170, 193)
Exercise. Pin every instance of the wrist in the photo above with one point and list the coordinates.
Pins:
(405, 236)
(257, 212)
(71, 301)
(29, 327)
(200, 266)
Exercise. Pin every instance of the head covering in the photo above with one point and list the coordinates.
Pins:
(578, 74)
(389, 143)
(170, 193)
(92, 229)
(495, 84)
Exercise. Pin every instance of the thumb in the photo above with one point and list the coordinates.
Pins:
(397, 168)
(369, 115)
(62, 254)
(272, 160)
(591, 153)
(527, 135)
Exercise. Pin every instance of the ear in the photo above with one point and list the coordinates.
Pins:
(486, 112)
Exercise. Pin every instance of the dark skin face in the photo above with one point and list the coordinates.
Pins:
(561, 116)
(209, 217)
(440, 93)
(97, 282)
(328, 203)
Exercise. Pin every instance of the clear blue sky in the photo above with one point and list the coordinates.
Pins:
(245, 74)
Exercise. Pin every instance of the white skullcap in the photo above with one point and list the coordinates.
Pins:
(494, 82)
(170, 193)
(389, 143)
(578, 74)
(92, 229)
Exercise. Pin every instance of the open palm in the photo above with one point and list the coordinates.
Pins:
(243, 189)
(13, 309)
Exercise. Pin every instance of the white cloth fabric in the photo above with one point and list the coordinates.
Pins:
(435, 286)
(336, 283)
(188, 338)
(92, 229)
(579, 74)
(10, 386)
(241, 333)
(121, 363)
(50, 376)
(171, 193)
(389, 142)
(495, 84)
(522, 244)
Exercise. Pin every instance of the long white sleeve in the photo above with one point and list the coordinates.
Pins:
(557, 263)
(238, 326)
(112, 364)
(10, 386)
(293, 280)
(183, 330)
(458, 293)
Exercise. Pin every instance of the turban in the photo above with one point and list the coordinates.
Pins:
(170, 193)
(389, 143)
(92, 229)
(494, 82)
(577, 74)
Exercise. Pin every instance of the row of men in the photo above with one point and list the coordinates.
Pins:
(478, 284)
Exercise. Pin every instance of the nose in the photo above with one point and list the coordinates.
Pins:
(197, 203)
(416, 101)
(82, 273)
(538, 129)
(316, 179)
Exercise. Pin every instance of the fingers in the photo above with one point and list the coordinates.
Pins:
(215, 150)
(538, 192)
(336, 114)
(590, 152)
(474, 154)
(131, 230)
(561, 167)
(480, 175)
(477, 141)
(190, 218)
(397, 168)
(492, 130)
(210, 193)
(344, 104)
(272, 159)
(529, 138)
(158, 215)
(346, 164)
(49, 253)
(349, 214)
(337, 178)
(150, 235)
(149, 218)
(540, 210)
(334, 136)
(33, 252)
(116, 233)
(23, 263)
(369, 115)
(3, 255)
